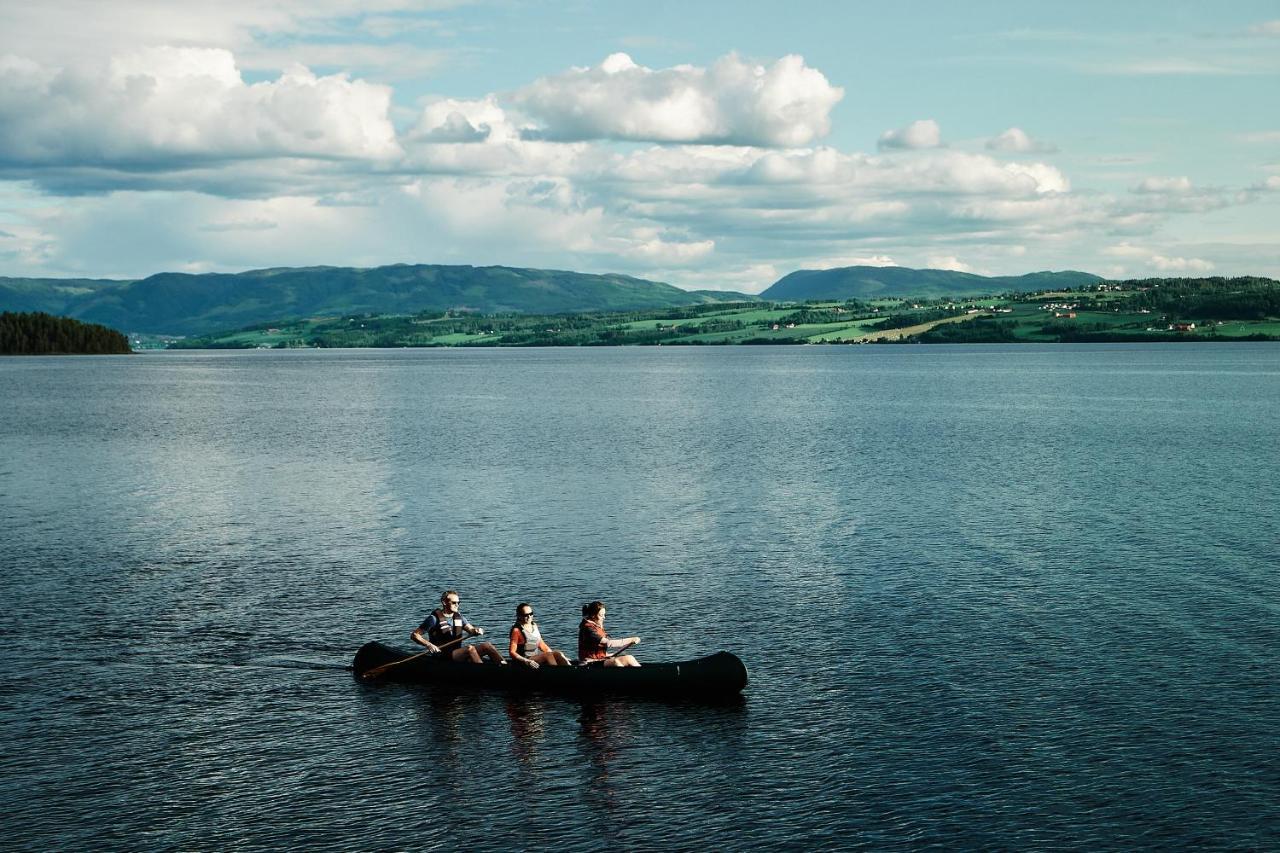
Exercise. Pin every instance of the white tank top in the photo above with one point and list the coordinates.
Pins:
(532, 637)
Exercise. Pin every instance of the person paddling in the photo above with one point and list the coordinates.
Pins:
(527, 646)
(594, 644)
(446, 629)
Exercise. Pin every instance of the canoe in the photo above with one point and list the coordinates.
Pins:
(720, 674)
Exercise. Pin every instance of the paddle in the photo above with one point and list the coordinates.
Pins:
(378, 670)
(606, 657)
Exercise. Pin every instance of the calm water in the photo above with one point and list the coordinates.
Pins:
(999, 597)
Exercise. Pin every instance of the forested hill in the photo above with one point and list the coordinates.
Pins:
(877, 282)
(184, 304)
(36, 333)
(1243, 298)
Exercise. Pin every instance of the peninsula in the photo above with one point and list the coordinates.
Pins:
(35, 333)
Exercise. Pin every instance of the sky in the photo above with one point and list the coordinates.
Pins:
(716, 145)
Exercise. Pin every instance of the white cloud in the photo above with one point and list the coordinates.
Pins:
(853, 261)
(649, 245)
(924, 133)
(947, 262)
(1169, 66)
(959, 172)
(1164, 185)
(1154, 260)
(60, 31)
(1126, 250)
(1196, 265)
(449, 120)
(1265, 137)
(1266, 28)
(241, 225)
(732, 102)
(1015, 140)
(184, 105)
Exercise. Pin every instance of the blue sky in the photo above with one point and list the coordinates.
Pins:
(711, 145)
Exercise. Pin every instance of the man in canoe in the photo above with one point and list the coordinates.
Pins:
(527, 646)
(445, 630)
(594, 644)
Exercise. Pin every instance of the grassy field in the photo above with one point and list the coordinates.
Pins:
(918, 329)
(1044, 317)
(847, 332)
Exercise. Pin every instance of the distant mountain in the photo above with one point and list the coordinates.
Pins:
(183, 304)
(50, 295)
(872, 282)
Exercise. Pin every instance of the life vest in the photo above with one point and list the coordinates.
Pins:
(592, 641)
(445, 629)
(527, 641)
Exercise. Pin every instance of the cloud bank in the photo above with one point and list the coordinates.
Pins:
(733, 102)
(160, 107)
(711, 176)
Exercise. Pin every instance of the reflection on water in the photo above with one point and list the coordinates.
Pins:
(605, 727)
(528, 727)
(990, 597)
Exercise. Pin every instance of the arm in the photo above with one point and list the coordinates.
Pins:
(624, 643)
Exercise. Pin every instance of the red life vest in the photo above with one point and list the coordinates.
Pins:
(592, 641)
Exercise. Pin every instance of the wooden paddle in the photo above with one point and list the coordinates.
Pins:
(378, 670)
(606, 657)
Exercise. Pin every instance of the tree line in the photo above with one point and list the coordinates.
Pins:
(1243, 298)
(38, 333)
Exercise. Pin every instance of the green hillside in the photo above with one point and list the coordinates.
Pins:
(183, 304)
(51, 295)
(879, 282)
(1152, 310)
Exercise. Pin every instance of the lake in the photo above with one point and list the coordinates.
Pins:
(989, 596)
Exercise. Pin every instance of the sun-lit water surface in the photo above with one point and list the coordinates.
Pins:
(988, 596)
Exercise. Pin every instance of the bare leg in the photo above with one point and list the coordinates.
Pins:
(466, 654)
(622, 660)
(488, 651)
(561, 660)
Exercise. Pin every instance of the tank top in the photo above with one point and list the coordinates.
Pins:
(532, 637)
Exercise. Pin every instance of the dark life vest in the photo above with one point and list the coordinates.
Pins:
(445, 629)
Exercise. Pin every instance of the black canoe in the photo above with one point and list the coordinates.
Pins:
(721, 674)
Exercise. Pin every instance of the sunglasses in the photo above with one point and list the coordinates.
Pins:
(528, 615)
(452, 600)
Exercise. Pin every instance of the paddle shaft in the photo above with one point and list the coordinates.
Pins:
(606, 657)
(378, 670)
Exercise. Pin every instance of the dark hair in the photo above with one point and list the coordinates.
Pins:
(446, 594)
(592, 608)
(520, 607)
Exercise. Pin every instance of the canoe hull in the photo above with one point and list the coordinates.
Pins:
(721, 674)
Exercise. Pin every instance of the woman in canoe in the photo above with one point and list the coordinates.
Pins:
(527, 646)
(445, 630)
(594, 644)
